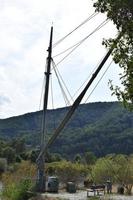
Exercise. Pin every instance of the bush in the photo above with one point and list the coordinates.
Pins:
(18, 191)
(3, 165)
(67, 171)
(15, 186)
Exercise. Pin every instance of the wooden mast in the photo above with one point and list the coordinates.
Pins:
(41, 177)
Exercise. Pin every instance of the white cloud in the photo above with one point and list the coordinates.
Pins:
(4, 99)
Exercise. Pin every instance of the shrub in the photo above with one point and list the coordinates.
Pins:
(3, 165)
(17, 183)
(17, 191)
(68, 171)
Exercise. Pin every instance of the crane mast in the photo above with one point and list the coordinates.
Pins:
(41, 177)
(41, 180)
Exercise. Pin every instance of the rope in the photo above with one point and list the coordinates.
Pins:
(63, 81)
(42, 92)
(61, 87)
(99, 81)
(88, 77)
(79, 43)
(52, 100)
(85, 21)
(41, 121)
(64, 51)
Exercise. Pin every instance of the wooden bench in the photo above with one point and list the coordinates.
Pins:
(96, 189)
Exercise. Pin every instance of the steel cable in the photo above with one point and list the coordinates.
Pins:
(84, 39)
(85, 21)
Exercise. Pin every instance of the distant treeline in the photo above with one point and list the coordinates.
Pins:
(102, 128)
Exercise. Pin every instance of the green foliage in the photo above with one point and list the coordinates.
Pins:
(18, 145)
(90, 158)
(19, 181)
(55, 157)
(102, 170)
(9, 154)
(78, 158)
(117, 168)
(121, 13)
(3, 165)
(18, 159)
(17, 191)
(67, 171)
(33, 155)
(103, 128)
(24, 155)
(124, 171)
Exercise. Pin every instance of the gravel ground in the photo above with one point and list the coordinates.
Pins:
(82, 195)
(118, 197)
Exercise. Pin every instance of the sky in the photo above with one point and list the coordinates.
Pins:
(24, 39)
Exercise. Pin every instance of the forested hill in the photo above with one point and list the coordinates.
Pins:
(104, 127)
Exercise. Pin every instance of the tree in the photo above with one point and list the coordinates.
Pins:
(18, 145)
(67, 171)
(56, 157)
(9, 154)
(77, 158)
(102, 170)
(124, 171)
(117, 168)
(90, 158)
(33, 156)
(3, 165)
(121, 13)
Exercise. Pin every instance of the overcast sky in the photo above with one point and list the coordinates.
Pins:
(24, 38)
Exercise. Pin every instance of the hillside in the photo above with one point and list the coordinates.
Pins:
(99, 127)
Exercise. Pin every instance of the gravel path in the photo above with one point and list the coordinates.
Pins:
(82, 195)
(118, 197)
